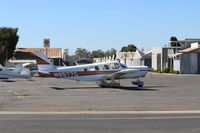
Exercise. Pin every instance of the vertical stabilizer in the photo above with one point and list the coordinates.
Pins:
(42, 62)
(18, 68)
(26, 73)
(41, 58)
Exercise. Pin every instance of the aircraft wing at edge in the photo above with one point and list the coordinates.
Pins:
(121, 73)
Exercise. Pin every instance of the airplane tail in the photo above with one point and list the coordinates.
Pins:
(23, 70)
(25, 73)
(1, 67)
(43, 63)
(41, 58)
(18, 68)
(19, 71)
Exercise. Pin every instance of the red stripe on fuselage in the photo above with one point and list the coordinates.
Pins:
(78, 73)
(40, 61)
(82, 73)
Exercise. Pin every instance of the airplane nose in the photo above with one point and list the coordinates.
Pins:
(150, 68)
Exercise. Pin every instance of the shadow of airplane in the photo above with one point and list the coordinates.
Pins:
(7, 80)
(130, 88)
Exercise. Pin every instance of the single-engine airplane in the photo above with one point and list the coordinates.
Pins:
(19, 71)
(100, 72)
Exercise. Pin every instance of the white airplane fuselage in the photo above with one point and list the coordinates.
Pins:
(92, 72)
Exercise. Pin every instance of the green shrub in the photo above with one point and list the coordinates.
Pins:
(177, 72)
(157, 71)
(166, 70)
(169, 70)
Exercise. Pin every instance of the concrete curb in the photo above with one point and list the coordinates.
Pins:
(101, 112)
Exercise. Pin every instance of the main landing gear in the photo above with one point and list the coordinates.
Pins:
(113, 83)
(138, 83)
(104, 83)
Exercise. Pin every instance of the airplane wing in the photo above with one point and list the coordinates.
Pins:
(44, 72)
(7, 74)
(120, 74)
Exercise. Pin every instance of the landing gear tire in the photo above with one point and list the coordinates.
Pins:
(105, 84)
(102, 86)
(140, 86)
(138, 83)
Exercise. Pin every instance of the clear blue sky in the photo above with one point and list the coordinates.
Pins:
(101, 24)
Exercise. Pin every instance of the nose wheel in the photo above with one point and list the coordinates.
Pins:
(138, 83)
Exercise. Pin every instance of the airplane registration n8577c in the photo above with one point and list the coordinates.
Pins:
(100, 72)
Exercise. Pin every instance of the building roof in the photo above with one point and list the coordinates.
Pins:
(190, 49)
(192, 39)
(147, 52)
(125, 55)
(51, 52)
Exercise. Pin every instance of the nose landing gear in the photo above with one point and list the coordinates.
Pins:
(138, 83)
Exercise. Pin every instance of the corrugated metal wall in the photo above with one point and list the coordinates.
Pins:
(199, 63)
(189, 63)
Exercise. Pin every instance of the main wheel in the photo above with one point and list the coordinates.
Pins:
(102, 86)
(140, 85)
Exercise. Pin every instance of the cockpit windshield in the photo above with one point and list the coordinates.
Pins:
(122, 65)
(115, 66)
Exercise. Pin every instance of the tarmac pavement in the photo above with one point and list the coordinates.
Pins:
(98, 123)
(161, 92)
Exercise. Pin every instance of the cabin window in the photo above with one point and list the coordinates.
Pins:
(115, 66)
(92, 69)
(85, 70)
(1, 69)
(106, 67)
(123, 66)
(96, 68)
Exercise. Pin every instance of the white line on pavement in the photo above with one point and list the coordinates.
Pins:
(103, 112)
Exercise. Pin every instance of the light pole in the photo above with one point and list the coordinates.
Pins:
(46, 46)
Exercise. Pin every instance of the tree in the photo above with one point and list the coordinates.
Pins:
(66, 54)
(82, 53)
(98, 54)
(111, 52)
(129, 48)
(8, 42)
(173, 42)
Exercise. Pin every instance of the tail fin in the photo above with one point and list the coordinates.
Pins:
(1, 67)
(42, 62)
(41, 59)
(25, 73)
(18, 68)
(23, 70)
